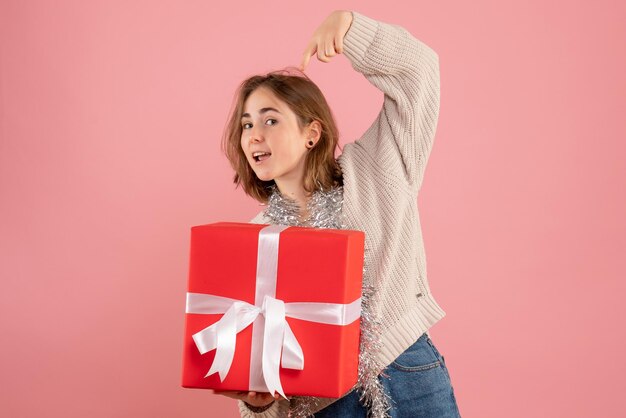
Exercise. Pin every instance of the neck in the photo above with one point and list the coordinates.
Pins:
(295, 192)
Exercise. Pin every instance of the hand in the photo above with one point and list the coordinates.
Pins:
(251, 398)
(327, 40)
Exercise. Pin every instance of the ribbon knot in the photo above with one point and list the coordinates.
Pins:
(222, 336)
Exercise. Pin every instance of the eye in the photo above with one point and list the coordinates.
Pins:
(274, 122)
(246, 125)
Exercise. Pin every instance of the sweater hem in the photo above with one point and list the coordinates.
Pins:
(409, 328)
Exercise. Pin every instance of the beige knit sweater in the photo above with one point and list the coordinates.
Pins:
(382, 174)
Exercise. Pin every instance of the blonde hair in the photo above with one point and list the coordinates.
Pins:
(305, 99)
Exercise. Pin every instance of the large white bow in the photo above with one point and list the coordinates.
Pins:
(277, 335)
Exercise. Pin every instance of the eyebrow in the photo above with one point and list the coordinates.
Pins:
(263, 110)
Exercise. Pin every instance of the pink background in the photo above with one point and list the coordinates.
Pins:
(111, 114)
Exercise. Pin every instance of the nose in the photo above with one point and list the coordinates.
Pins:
(255, 135)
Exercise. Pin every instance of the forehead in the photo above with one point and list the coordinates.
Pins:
(263, 97)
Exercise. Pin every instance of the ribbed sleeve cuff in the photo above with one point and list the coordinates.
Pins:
(359, 37)
(365, 31)
(279, 409)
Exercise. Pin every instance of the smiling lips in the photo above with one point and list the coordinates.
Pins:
(260, 156)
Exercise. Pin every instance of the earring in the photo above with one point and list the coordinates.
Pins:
(311, 144)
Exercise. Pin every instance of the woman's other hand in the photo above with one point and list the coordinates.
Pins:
(327, 40)
(251, 398)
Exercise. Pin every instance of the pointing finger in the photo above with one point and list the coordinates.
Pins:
(306, 57)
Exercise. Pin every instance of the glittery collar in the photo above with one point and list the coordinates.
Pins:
(324, 209)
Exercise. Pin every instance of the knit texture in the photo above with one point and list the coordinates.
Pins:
(382, 174)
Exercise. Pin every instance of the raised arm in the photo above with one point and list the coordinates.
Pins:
(406, 70)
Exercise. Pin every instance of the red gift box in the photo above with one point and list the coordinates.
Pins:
(273, 308)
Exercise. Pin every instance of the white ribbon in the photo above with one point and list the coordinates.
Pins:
(271, 333)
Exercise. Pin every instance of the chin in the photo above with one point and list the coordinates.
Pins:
(264, 177)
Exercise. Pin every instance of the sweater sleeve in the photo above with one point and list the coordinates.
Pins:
(406, 70)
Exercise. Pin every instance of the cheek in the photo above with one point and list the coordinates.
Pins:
(242, 150)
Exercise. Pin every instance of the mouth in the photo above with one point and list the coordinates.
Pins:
(259, 157)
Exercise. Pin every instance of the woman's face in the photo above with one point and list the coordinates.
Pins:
(271, 139)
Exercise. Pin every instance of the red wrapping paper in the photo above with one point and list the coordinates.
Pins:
(314, 265)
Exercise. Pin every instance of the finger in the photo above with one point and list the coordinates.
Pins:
(306, 57)
(339, 44)
(231, 394)
(321, 55)
(267, 396)
(223, 392)
(329, 48)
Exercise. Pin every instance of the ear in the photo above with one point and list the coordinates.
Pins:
(314, 131)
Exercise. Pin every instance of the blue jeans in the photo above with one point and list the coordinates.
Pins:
(418, 383)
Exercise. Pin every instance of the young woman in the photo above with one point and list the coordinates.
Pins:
(281, 140)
